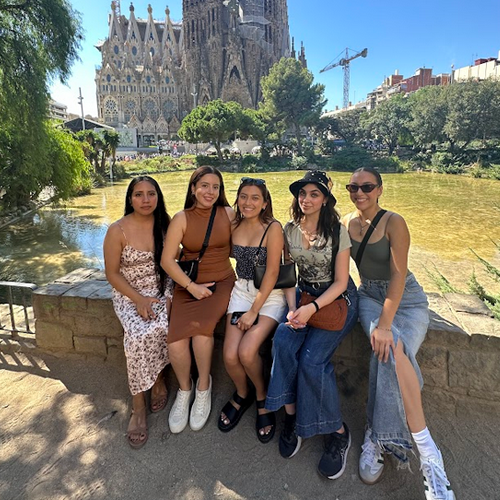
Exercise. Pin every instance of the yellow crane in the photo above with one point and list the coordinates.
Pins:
(345, 63)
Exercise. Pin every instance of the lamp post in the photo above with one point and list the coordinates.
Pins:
(80, 102)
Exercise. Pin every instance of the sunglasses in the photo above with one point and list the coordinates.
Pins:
(366, 188)
(251, 180)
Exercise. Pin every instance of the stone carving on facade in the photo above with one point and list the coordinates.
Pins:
(154, 72)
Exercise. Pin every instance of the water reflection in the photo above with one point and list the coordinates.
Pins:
(447, 215)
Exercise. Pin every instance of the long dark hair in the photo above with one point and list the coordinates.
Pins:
(265, 215)
(195, 177)
(328, 219)
(161, 221)
(372, 171)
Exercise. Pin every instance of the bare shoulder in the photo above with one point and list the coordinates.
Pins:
(346, 218)
(115, 230)
(396, 224)
(230, 213)
(179, 219)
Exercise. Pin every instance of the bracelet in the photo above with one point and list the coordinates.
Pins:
(385, 329)
(315, 304)
(186, 287)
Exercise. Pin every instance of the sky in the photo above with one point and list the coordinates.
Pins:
(400, 36)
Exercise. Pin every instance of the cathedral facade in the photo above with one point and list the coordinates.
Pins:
(154, 72)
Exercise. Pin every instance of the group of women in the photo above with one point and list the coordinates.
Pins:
(173, 282)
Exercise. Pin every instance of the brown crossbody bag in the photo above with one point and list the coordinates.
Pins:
(333, 316)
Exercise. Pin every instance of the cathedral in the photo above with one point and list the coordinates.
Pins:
(154, 72)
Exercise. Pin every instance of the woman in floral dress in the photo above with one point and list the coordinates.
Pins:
(141, 297)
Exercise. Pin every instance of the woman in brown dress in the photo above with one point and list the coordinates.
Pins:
(198, 306)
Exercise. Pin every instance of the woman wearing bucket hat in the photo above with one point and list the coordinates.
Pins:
(303, 377)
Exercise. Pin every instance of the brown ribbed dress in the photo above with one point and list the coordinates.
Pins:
(190, 317)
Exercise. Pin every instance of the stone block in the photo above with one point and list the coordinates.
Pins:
(67, 318)
(46, 306)
(114, 342)
(77, 276)
(478, 324)
(486, 395)
(344, 350)
(116, 357)
(106, 326)
(474, 371)
(51, 335)
(484, 342)
(462, 302)
(104, 291)
(73, 303)
(100, 308)
(435, 378)
(91, 345)
(446, 336)
(432, 357)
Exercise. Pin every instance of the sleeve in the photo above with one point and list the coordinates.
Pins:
(345, 240)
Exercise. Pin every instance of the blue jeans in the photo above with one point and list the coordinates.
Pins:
(385, 409)
(303, 373)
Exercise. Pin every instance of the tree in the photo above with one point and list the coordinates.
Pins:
(345, 125)
(38, 43)
(428, 111)
(289, 96)
(388, 121)
(215, 122)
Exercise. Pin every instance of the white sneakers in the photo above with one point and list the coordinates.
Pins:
(437, 486)
(178, 418)
(371, 461)
(201, 407)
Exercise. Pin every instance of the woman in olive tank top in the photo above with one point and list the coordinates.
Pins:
(393, 312)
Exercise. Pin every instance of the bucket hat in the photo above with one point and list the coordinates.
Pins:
(317, 177)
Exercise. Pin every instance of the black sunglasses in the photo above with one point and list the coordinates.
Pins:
(366, 188)
(251, 180)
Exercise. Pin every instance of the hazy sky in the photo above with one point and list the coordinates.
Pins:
(399, 35)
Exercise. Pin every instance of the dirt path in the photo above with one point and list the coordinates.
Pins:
(62, 428)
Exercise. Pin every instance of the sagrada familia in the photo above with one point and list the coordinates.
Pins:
(154, 72)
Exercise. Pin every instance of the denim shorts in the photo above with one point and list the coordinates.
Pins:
(385, 409)
(243, 297)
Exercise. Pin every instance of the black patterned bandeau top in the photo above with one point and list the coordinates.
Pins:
(245, 260)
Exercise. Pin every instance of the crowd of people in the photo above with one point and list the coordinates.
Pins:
(173, 282)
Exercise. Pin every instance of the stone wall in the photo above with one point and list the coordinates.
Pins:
(460, 356)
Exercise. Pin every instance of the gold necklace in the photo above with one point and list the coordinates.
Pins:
(362, 226)
(311, 235)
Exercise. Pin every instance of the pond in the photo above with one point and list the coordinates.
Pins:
(448, 217)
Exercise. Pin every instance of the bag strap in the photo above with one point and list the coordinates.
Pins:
(335, 250)
(262, 240)
(207, 235)
(373, 225)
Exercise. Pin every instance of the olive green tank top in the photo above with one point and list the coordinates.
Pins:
(376, 261)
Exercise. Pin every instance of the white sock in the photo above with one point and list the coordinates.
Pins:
(425, 444)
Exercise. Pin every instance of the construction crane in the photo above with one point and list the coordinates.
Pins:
(345, 63)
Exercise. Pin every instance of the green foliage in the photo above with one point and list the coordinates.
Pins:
(388, 122)
(291, 98)
(441, 281)
(38, 42)
(345, 126)
(299, 162)
(217, 121)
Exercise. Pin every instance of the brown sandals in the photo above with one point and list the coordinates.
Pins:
(138, 436)
(159, 401)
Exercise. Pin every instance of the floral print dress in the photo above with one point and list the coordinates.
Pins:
(145, 341)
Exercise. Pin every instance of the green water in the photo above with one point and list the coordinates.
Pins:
(447, 215)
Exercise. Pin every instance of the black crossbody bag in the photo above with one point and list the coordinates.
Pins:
(190, 267)
(286, 276)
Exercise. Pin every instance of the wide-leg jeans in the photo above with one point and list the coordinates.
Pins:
(303, 373)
